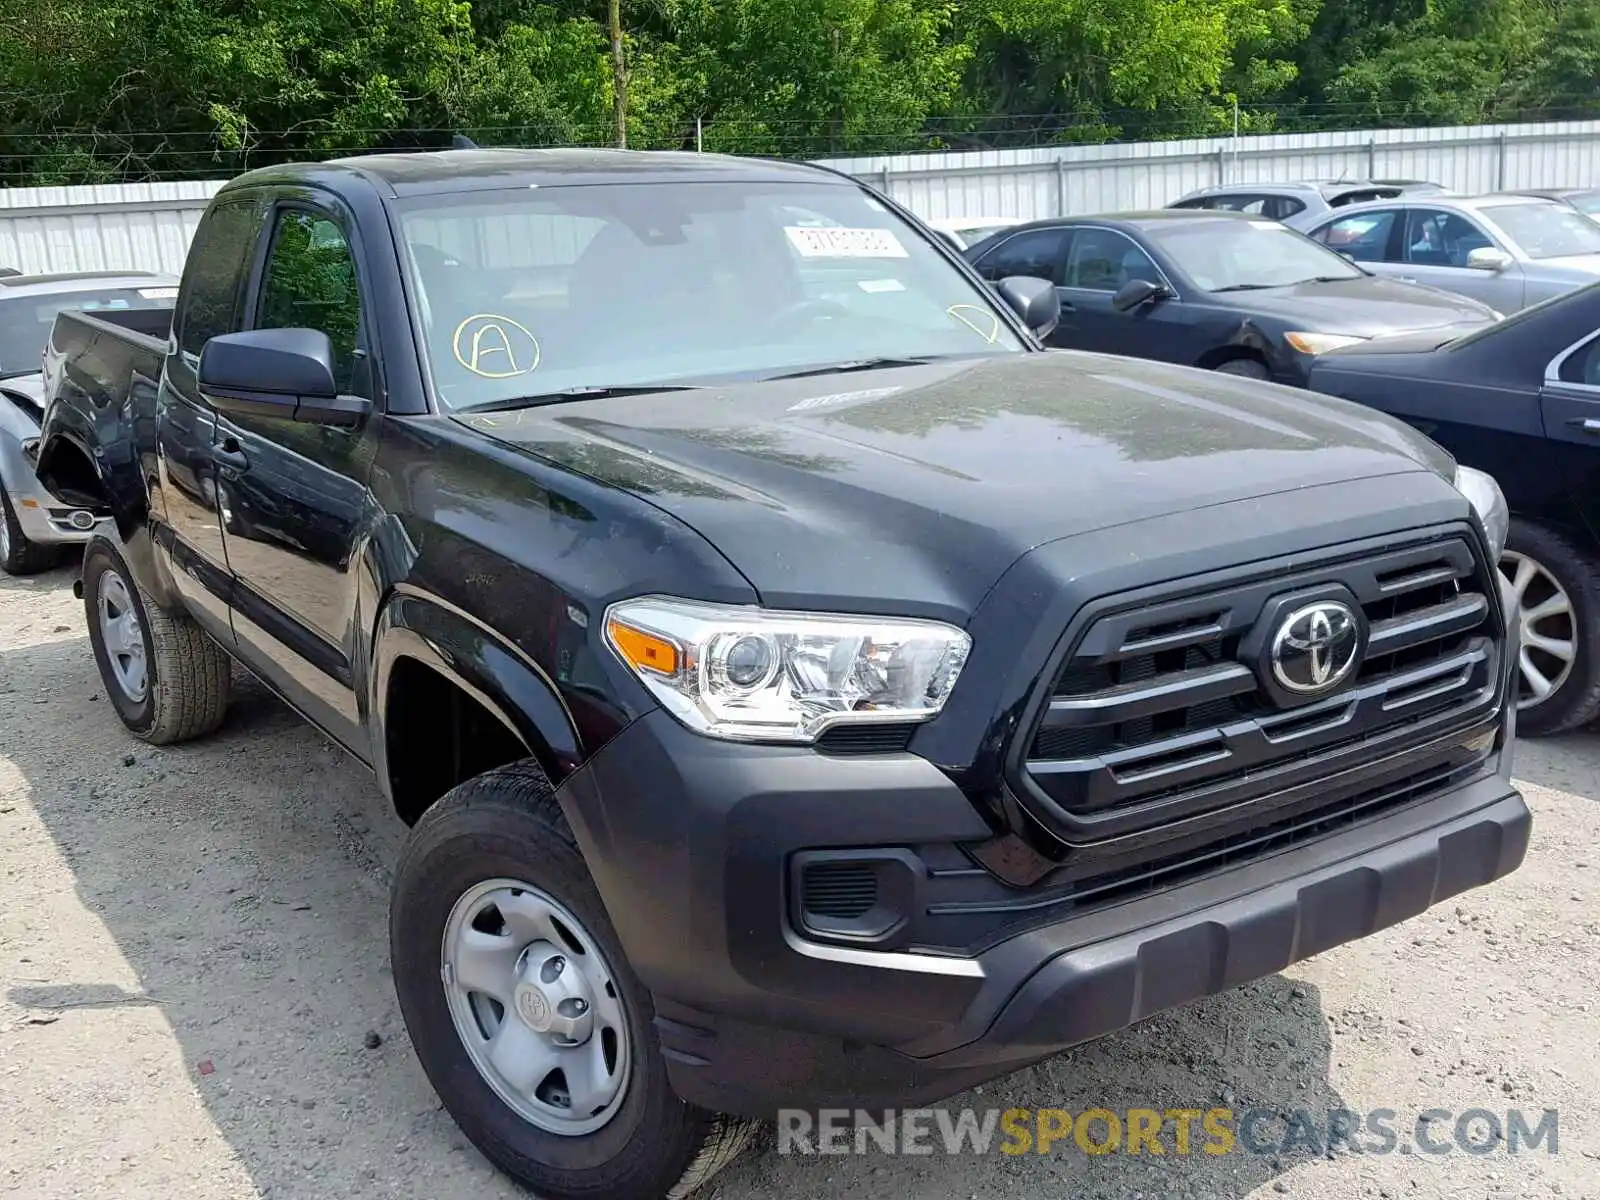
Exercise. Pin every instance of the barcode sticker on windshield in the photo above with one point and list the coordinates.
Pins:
(159, 293)
(844, 243)
(881, 285)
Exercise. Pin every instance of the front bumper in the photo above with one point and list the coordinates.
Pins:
(45, 522)
(690, 841)
(44, 519)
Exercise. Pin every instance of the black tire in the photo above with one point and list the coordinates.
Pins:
(507, 823)
(1576, 699)
(1250, 368)
(187, 673)
(21, 556)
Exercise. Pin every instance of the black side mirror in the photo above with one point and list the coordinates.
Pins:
(1034, 300)
(1136, 292)
(283, 373)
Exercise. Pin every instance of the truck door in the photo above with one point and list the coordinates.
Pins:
(293, 495)
(185, 475)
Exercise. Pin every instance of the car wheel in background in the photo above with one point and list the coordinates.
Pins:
(1250, 368)
(166, 678)
(522, 1008)
(19, 556)
(1557, 585)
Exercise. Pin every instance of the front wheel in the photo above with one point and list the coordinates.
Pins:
(1250, 368)
(523, 1010)
(19, 556)
(1557, 586)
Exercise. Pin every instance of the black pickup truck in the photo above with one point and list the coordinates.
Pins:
(802, 687)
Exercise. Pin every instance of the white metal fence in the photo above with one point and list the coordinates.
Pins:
(147, 226)
(135, 226)
(1058, 180)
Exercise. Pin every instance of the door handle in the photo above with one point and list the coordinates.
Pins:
(1587, 424)
(230, 456)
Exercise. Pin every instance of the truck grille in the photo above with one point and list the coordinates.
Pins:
(1162, 705)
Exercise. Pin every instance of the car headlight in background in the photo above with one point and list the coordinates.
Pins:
(1321, 343)
(1489, 503)
(750, 674)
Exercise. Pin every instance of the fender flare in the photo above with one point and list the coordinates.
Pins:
(484, 665)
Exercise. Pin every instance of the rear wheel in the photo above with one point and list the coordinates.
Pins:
(523, 1010)
(163, 674)
(1557, 586)
(19, 556)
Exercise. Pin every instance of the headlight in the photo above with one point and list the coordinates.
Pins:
(1489, 503)
(1320, 343)
(751, 674)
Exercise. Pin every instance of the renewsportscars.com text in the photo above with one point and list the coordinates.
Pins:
(1169, 1131)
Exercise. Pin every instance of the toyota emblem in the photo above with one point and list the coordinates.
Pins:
(1316, 648)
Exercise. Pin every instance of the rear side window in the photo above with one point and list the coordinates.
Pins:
(1037, 252)
(213, 284)
(1361, 236)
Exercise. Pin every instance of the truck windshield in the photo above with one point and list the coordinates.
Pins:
(541, 291)
(25, 321)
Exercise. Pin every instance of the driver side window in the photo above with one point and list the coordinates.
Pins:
(1103, 261)
(310, 283)
(1441, 239)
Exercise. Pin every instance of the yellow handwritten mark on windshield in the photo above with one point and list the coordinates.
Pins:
(959, 312)
(493, 349)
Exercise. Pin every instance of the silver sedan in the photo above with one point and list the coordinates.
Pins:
(35, 527)
(1507, 251)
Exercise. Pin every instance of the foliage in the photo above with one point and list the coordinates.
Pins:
(101, 90)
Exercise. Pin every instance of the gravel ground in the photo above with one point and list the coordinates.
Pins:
(194, 1000)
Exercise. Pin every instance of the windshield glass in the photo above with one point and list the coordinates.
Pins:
(1547, 230)
(537, 291)
(1234, 255)
(25, 321)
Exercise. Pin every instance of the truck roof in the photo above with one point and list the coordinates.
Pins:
(436, 171)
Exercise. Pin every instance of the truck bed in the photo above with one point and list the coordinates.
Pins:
(146, 328)
(101, 374)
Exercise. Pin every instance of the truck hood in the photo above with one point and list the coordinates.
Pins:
(919, 486)
(1369, 306)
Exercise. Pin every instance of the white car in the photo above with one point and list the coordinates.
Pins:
(962, 232)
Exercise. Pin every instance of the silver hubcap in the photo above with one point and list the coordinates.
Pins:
(123, 636)
(5, 537)
(536, 1006)
(1548, 626)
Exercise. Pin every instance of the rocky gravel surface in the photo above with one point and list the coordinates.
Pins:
(194, 999)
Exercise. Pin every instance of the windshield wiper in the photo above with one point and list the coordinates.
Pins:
(592, 392)
(1325, 279)
(1251, 287)
(859, 364)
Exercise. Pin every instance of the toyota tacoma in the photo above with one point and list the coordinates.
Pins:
(802, 687)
